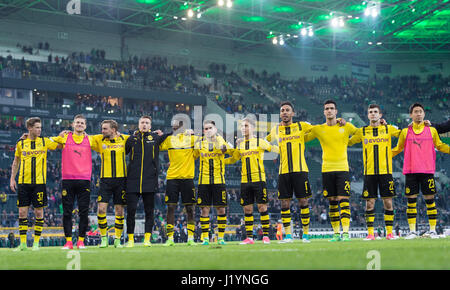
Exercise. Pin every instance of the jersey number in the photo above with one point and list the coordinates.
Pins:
(347, 186)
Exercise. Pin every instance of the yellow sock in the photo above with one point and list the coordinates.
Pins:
(68, 239)
(204, 222)
(102, 224)
(334, 216)
(411, 213)
(169, 229)
(248, 219)
(431, 213)
(38, 227)
(23, 228)
(265, 222)
(370, 218)
(286, 220)
(191, 230)
(345, 214)
(305, 217)
(119, 226)
(131, 238)
(81, 239)
(222, 225)
(388, 220)
(147, 237)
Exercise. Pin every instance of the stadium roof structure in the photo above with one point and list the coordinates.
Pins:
(419, 27)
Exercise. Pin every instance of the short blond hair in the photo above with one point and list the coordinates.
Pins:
(113, 124)
(32, 121)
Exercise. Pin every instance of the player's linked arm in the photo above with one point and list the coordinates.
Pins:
(356, 138)
(235, 157)
(310, 136)
(400, 144)
(51, 145)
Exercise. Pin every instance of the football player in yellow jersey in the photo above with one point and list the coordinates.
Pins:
(180, 178)
(31, 162)
(335, 171)
(253, 182)
(111, 147)
(293, 173)
(377, 159)
(211, 186)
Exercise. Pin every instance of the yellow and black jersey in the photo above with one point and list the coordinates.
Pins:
(251, 154)
(112, 152)
(376, 144)
(33, 159)
(334, 141)
(212, 160)
(291, 142)
(180, 148)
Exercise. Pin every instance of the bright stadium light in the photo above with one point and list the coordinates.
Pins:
(281, 41)
(310, 32)
(372, 9)
(229, 3)
(275, 41)
(334, 22)
(303, 31)
(221, 2)
(374, 13)
(190, 13)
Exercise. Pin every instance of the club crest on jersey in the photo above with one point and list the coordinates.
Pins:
(150, 137)
(325, 193)
(341, 130)
(64, 192)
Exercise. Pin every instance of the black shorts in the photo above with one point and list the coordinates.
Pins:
(384, 183)
(112, 188)
(212, 195)
(76, 189)
(253, 192)
(423, 181)
(336, 183)
(184, 186)
(297, 182)
(35, 194)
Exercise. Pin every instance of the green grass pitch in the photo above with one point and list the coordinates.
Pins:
(418, 254)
